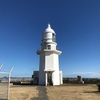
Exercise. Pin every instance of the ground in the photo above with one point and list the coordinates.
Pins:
(65, 92)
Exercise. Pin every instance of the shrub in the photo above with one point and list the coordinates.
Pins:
(98, 87)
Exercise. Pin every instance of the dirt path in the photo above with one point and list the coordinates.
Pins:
(42, 93)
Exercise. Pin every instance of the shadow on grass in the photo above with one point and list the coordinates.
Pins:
(74, 85)
(92, 92)
(42, 94)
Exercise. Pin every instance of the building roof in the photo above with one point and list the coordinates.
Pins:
(49, 29)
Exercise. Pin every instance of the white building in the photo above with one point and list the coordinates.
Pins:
(49, 73)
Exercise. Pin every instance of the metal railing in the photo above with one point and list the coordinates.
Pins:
(5, 85)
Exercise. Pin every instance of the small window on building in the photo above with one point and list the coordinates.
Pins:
(49, 46)
(44, 45)
(53, 37)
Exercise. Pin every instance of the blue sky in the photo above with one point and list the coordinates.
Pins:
(77, 26)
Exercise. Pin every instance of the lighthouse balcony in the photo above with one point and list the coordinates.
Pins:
(49, 70)
(47, 50)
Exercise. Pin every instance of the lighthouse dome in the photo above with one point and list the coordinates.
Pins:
(49, 29)
(49, 35)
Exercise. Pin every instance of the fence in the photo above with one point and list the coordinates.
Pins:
(4, 85)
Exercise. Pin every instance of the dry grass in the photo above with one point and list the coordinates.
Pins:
(3, 91)
(68, 92)
(23, 92)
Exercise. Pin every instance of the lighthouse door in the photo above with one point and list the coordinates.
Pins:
(50, 78)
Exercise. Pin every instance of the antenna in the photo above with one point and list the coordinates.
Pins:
(11, 69)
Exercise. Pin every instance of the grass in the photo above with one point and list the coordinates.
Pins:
(3, 91)
(65, 92)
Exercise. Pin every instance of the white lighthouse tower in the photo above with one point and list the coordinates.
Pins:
(49, 73)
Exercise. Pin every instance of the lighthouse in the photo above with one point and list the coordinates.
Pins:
(49, 73)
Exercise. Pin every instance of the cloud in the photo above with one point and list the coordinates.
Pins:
(84, 74)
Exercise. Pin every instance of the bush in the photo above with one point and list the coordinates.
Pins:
(98, 87)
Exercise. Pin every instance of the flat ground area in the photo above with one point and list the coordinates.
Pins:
(3, 91)
(65, 92)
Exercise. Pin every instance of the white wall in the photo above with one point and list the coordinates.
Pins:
(49, 61)
(41, 69)
(56, 78)
(61, 77)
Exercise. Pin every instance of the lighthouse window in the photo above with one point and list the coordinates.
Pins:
(53, 37)
(49, 46)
